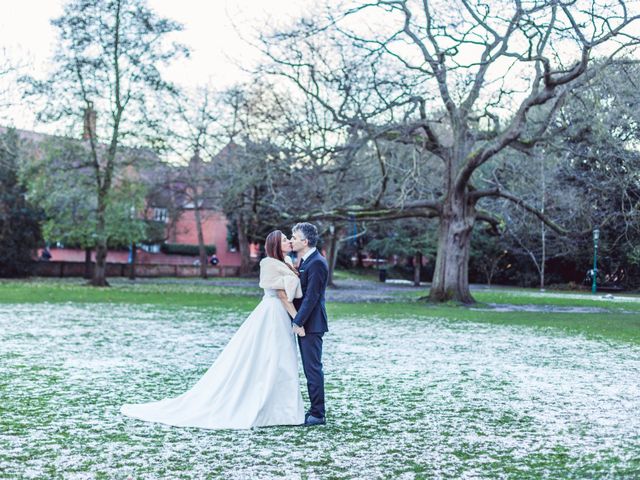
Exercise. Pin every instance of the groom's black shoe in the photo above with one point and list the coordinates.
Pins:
(311, 421)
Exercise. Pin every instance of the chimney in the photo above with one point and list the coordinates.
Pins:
(194, 162)
(89, 122)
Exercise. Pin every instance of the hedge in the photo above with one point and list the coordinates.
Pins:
(185, 249)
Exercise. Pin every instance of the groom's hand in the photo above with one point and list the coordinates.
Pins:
(298, 330)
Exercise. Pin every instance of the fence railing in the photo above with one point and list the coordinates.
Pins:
(78, 269)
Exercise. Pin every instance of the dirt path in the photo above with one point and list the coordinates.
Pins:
(371, 291)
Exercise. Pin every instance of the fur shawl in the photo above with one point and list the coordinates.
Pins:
(276, 275)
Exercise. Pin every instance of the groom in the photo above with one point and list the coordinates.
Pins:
(312, 315)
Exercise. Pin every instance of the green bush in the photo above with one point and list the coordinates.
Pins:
(20, 231)
(155, 232)
(184, 249)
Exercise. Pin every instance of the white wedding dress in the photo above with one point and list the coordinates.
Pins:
(252, 383)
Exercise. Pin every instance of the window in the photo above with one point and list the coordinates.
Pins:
(155, 248)
(160, 215)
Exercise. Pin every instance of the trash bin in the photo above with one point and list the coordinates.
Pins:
(382, 273)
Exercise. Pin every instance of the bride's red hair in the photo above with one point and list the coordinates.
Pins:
(273, 245)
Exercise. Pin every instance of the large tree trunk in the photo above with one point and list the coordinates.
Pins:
(201, 248)
(544, 230)
(332, 253)
(417, 268)
(87, 263)
(100, 271)
(543, 260)
(451, 275)
(243, 245)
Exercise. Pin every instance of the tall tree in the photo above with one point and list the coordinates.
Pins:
(59, 176)
(193, 141)
(597, 140)
(461, 81)
(106, 67)
(8, 71)
(19, 220)
(252, 170)
(534, 180)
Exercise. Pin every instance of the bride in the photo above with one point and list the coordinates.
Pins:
(254, 380)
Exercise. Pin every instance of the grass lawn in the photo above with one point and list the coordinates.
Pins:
(413, 391)
(614, 322)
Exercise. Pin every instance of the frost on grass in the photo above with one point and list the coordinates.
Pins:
(411, 398)
(586, 297)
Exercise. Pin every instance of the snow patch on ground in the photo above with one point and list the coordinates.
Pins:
(409, 398)
(617, 298)
(501, 307)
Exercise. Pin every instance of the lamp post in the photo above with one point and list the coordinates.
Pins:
(132, 249)
(596, 236)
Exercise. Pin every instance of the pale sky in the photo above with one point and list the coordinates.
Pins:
(214, 29)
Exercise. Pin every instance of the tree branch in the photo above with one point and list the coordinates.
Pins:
(493, 221)
(423, 209)
(497, 192)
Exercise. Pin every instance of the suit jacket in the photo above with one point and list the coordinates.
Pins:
(312, 314)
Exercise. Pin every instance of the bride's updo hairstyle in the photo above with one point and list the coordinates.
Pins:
(273, 245)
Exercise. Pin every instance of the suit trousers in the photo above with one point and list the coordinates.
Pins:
(311, 353)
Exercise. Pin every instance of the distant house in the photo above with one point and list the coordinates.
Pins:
(175, 218)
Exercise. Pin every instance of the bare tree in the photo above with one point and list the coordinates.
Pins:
(6, 68)
(192, 140)
(249, 168)
(459, 80)
(10, 71)
(530, 176)
(601, 167)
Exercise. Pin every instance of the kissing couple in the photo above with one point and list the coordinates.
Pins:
(254, 380)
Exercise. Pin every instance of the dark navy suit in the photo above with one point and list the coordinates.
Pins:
(312, 315)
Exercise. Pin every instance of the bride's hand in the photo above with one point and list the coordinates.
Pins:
(298, 330)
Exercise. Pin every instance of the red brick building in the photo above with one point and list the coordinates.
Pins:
(181, 229)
